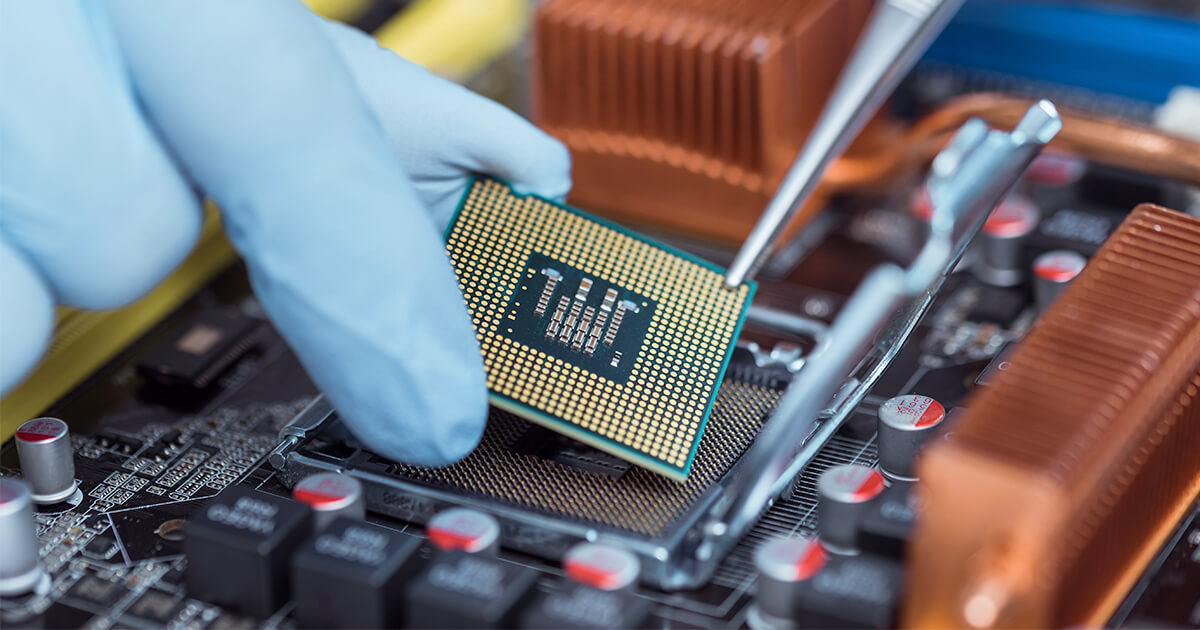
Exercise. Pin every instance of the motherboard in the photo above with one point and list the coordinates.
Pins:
(153, 445)
(959, 386)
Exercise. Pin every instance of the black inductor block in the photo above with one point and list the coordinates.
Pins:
(860, 591)
(352, 575)
(888, 524)
(572, 606)
(460, 590)
(239, 549)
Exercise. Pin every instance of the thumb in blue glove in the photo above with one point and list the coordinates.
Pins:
(336, 165)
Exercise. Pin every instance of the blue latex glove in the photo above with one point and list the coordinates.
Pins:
(337, 165)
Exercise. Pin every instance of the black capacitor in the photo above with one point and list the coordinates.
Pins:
(239, 549)
(461, 590)
(352, 575)
(887, 526)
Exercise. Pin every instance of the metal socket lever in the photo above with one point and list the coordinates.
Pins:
(897, 35)
(975, 170)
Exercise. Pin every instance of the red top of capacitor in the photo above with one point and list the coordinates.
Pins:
(601, 566)
(851, 483)
(1059, 266)
(791, 559)
(327, 491)
(461, 529)
(921, 206)
(1056, 168)
(41, 430)
(1015, 216)
(912, 411)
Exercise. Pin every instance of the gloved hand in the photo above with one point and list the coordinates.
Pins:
(336, 165)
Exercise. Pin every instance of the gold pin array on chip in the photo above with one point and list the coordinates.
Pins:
(638, 383)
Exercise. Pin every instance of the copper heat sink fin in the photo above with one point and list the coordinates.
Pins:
(686, 114)
(1066, 474)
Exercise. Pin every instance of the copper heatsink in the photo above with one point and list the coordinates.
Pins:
(686, 114)
(1066, 474)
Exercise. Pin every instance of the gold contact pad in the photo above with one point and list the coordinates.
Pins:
(660, 410)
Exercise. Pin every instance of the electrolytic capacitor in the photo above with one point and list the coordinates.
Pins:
(1052, 272)
(999, 262)
(1053, 178)
(1056, 168)
(47, 459)
(842, 495)
(784, 566)
(20, 570)
(463, 529)
(331, 495)
(603, 567)
(905, 422)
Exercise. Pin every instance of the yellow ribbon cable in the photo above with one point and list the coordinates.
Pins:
(456, 38)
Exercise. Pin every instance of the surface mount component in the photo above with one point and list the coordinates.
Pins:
(352, 575)
(239, 549)
(593, 331)
(1069, 469)
(192, 358)
(699, 105)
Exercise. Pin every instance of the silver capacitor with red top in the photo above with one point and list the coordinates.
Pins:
(331, 495)
(465, 530)
(843, 494)
(20, 568)
(905, 422)
(47, 459)
(604, 567)
(784, 566)
(1052, 272)
(999, 262)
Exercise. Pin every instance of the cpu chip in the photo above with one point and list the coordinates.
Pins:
(591, 330)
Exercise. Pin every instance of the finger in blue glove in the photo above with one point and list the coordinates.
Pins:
(302, 132)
